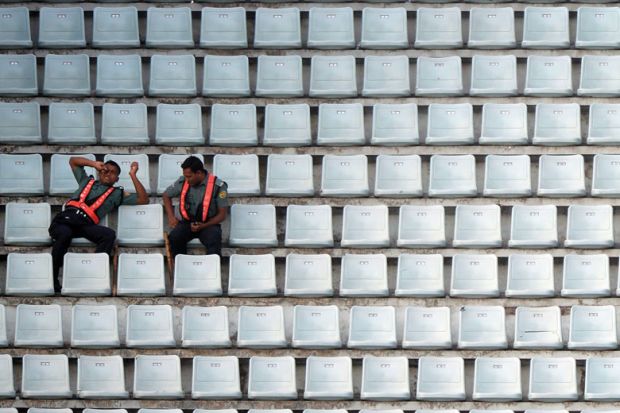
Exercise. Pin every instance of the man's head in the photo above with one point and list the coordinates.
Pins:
(110, 172)
(193, 170)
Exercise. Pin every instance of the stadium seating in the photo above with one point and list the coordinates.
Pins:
(21, 174)
(140, 225)
(277, 28)
(328, 378)
(86, 274)
(601, 379)
(386, 76)
(340, 125)
(94, 326)
(364, 275)
(18, 75)
(598, 77)
(179, 125)
(605, 176)
(384, 28)
(439, 76)
(398, 176)
(226, 76)
(205, 327)
(438, 28)
(149, 326)
(101, 377)
(548, 76)
(419, 275)
(533, 227)
(450, 124)
(561, 176)
(596, 27)
(45, 377)
(477, 226)
(253, 226)
(316, 327)
(308, 275)
(372, 327)
(287, 125)
(308, 226)
(197, 276)
(66, 76)
(474, 275)
(394, 124)
(331, 28)
(169, 169)
(16, 28)
(38, 326)
(503, 124)
(7, 388)
(385, 378)
(172, 76)
(124, 124)
(545, 28)
(240, 172)
(497, 379)
(279, 76)
(289, 175)
(252, 275)
(157, 377)
(261, 327)
(482, 327)
(538, 328)
(557, 124)
(530, 276)
(345, 176)
(119, 76)
(507, 176)
(61, 27)
(223, 28)
(216, 378)
(272, 378)
(493, 76)
(592, 328)
(115, 27)
(140, 274)
(365, 226)
(585, 276)
(233, 125)
(421, 226)
(29, 274)
(169, 27)
(71, 124)
(27, 224)
(332, 77)
(452, 176)
(440, 379)
(20, 123)
(427, 328)
(491, 28)
(589, 227)
(552, 379)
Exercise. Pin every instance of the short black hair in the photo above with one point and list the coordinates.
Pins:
(114, 164)
(194, 164)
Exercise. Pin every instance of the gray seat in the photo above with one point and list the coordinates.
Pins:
(252, 275)
(601, 380)
(440, 379)
(169, 169)
(364, 275)
(553, 379)
(124, 124)
(439, 76)
(261, 327)
(545, 28)
(308, 275)
(345, 175)
(226, 76)
(604, 124)
(150, 326)
(328, 378)
(548, 76)
(277, 28)
(197, 276)
(561, 176)
(605, 176)
(557, 124)
(398, 176)
(119, 76)
(372, 327)
(223, 28)
(482, 327)
(585, 276)
(386, 76)
(16, 28)
(45, 377)
(20, 123)
(61, 27)
(125, 161)
(384, 28)
(395, 124)
(419, 275)
(179, 125)
(27, 224)
(101, 377)
(316, 327)
(385, 378)
(21, 174)
(18, 75)
(452, 176)
(438, 28)
(86, 274)
(7, 388)
(169, 27)
(205, 327)
(309, 226)
(216, 378)
(66, 75)
(507, 176)
(341, 124)
(421, 226)
(504, 124)
(474, 276)
(365, 226)
(450, 124)
(71, 124)
(157, 377)
(497, 379)
(333, 77)
(477, 226)
(253, 226)
(4, 341)
(331, 28)
(491, 28)
(233, 125)
(173, 76)
(289, 175)
(494, 76)
(530, 276)
(590, 226)
(287, 125)
(240, 172)
(597, 28)
(598, 76)
(592, 328)
(140, 225)
(538, 328)
(29, 274)
(140, 275)
(427, 328)
(115, 27)
(94, 326)
(272, 378)
(279, 76)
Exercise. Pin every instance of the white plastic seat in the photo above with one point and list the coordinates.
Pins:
(438, 28)
(140, 274)
(386, 76)
(601, 380)
(427, 328)
(124, 124)
(20, 123)
(253, 226)
(552, 379)
(533, 226)
(493, 76)
(119, 76)
(598, 28)
(452, 176)
(29, 274)
(440, 379)
(384, 28)
(345, 175)
(216, 378)
(71, 124)
(287, 125)
(308, 275)
(450, 124)
(398, 176)
(482, 327)
(421, 226)
(395, 124)
(223, 28)
(372, 327)
(289, 175)
(61, 27)
(504, 124)
(125, 161)
(538, 328)
(419, 275)
(233, 125)
(4, 341)
(363, 275)
(497, 379)
(140, 225)
(169, 169)
(590, 226)
(598, 76)
(561, 176)
(477, 226)
(86, 274)
(94, 326)
(491, 28)
(21, 174)
(605, 176)
(169, 27)
(261, 327)
(530, 276)
(18, 75)
(557, 124)
(205, 327)
(548, 76)
(585, 276)
(545, 28)
(226, 76)
(16, 28)
(240, 172)
(604, 124)
(172, 76)
(331, 28)
(365, 226)
(272, 378)
(179, 125)
(101, 377)
(474, 276)
(277, 28)
(7, 387)
(27, 224)
(197, 276)
(341, 124)
(507, 176)
(115, 27)
(332, 77)
(45, 377)
(157, 377)
(385, 378)
(279, 76)
(149, 326)
(439, 76)
(328, 378)
(309, 226)
(66, 75)
(316, 327)
(252, 275)
(592, 328)
(38, 326)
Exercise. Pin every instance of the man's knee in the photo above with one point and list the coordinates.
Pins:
(108, 235)
(60, 232)
(211, 235)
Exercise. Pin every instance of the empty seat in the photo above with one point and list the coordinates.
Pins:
(533, 226)
(440, 379)
(309, 226)
(27, 224)
(438, 28)
(545, 28)
(372, 327)
(226, 76)
(385, 378)
(61, 27)
(197, 276)
(252, 275)
(71, 124)
(477, 226)
(592, 328)
(538, 328)
(20, 123)
(452, 176)
(29, 274)
(205, 327)
(316, 327)
(504, 124)
(427, 328)
(419, 275)
(384, 28)
(101, 377)
(86, 274)
(94, 326)
(169, 27)
(308, 275)
(398, 176)
(45, 376)
(124, 124)
(561, 176)
(140, 274)
(331, 28)
(169, 169)
(395, 124)
(233, 125)
(345, 175)
(4, 341)
(253, 226)
(119, 76)
(530, 276)
(552, 379)
(7, 388)
(140, 225)
(604, 124)
(557, 124)
(482, 327)
(474, 276)
(261, 327)
(179, 125)
(597, 28)
(66, 75)
(150, 326)
(172, 76)
(21, 174)
(279, 76)
(450, 124)
(287, 125)
(507, 176)
(341, 124)
(598, 76)
(38, 326)
(277, 28)
(16, 28)
(18, 75)
(421, 226)
(365, 226)
(606, 176)
(272, 378)
(548, 76)
(333, 77)
(223, 28)
(289, 175)
(439, 76)
(497, 379)
(328, 378)
(491, 28)
(590, 226)
(157, 377)
(363, 275)
(125, 161)
(216, 378)
(585, 276)
(494, 76)
(601, 380)
(115, 27)
(386, 76)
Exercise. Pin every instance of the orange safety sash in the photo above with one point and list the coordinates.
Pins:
(91, 209)
(206, 201)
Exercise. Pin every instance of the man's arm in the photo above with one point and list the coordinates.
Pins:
(143, 197)
(218, 218)
(169, 208)
(79, 161)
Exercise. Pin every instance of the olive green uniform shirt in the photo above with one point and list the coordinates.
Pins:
(195, 196)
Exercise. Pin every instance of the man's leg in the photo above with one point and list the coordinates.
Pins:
(179, 237)
(211, 237)
(102, 236)
(62, 235)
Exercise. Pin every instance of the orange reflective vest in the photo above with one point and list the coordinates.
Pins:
(206, 201)
(91, 209)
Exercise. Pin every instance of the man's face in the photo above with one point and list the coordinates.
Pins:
(194, 178)
(108, 175)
